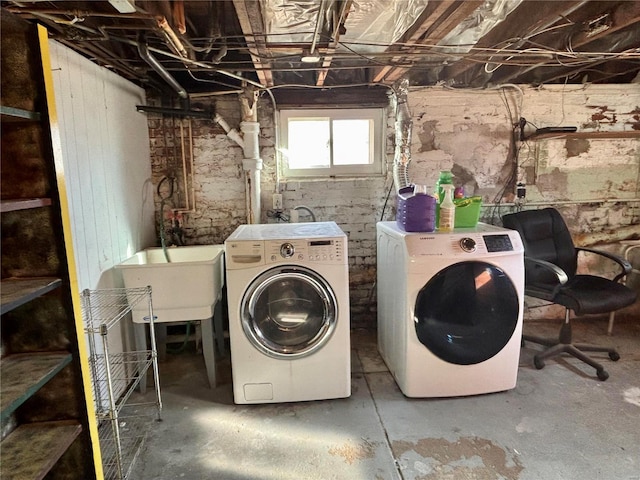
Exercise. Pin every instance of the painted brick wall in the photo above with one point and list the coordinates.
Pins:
(593, 180)
(468, 132)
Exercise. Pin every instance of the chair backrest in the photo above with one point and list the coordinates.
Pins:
(545, 236)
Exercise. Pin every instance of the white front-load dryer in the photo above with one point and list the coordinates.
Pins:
(450, 309)
(288, 298)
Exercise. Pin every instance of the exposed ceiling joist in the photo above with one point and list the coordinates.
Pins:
(443, 22)
(253, 29)
(428, 18)
(338, 22)
(579, 37)
(218, 46)
(624, 15)
(528, 19)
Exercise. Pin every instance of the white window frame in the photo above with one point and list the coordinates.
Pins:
(377, 115)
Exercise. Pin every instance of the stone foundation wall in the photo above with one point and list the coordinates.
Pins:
(592, 180)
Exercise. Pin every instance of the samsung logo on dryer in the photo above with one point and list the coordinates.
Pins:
(427, 238)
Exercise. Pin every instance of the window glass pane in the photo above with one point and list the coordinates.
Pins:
(309, 142)
(326, 142)
(352, 142)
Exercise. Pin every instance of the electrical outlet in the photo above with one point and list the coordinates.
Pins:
(277, 201)
(521, 193)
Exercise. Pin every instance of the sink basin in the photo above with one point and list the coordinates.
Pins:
(185, 288)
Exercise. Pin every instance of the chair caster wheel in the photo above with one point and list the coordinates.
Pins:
(539, 364)
(602, 375)
(615, 356)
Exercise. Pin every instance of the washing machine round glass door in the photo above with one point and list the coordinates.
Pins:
(289, 312)
(467, 312)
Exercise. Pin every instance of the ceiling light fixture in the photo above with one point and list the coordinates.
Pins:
(310, 57)
(123, 6)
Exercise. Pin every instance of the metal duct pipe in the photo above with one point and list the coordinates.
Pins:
(403, 126)
(143, 50)
(316, 31)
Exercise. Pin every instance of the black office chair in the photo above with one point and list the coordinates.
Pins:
(551, 261)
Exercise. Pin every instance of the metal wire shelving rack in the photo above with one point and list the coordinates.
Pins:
(122, 423)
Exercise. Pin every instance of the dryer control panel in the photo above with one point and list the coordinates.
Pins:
(463, 243)
(498, 243)
(492, 243)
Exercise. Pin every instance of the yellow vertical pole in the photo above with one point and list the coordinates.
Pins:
(68, 241)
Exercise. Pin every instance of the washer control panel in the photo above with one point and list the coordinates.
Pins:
(287, 250)
(326, 250)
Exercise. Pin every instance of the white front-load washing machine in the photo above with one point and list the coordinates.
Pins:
(288, 299)
(450, 309)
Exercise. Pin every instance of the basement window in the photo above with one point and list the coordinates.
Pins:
(331, 142)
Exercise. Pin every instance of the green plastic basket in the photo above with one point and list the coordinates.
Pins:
(467, 212)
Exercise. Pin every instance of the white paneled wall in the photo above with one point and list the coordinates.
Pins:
(105, 150)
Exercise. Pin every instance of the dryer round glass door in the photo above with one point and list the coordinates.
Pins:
(467, 312)
(288, 312)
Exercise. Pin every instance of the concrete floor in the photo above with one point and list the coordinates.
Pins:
(558, 423)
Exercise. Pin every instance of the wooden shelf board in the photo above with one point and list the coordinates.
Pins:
(32, 449)
(23, 204)
(585, 135)
(18, 114)
(23, 374)
(18, 291)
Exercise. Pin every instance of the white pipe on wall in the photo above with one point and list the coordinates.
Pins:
(248, 139)
(232, 133)
(252, 164)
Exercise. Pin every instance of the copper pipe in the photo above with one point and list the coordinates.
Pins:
(178, 16)
(173, 39)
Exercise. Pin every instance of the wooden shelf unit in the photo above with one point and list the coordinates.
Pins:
(43, 405)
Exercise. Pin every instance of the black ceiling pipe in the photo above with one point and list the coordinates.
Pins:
(203, 114)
